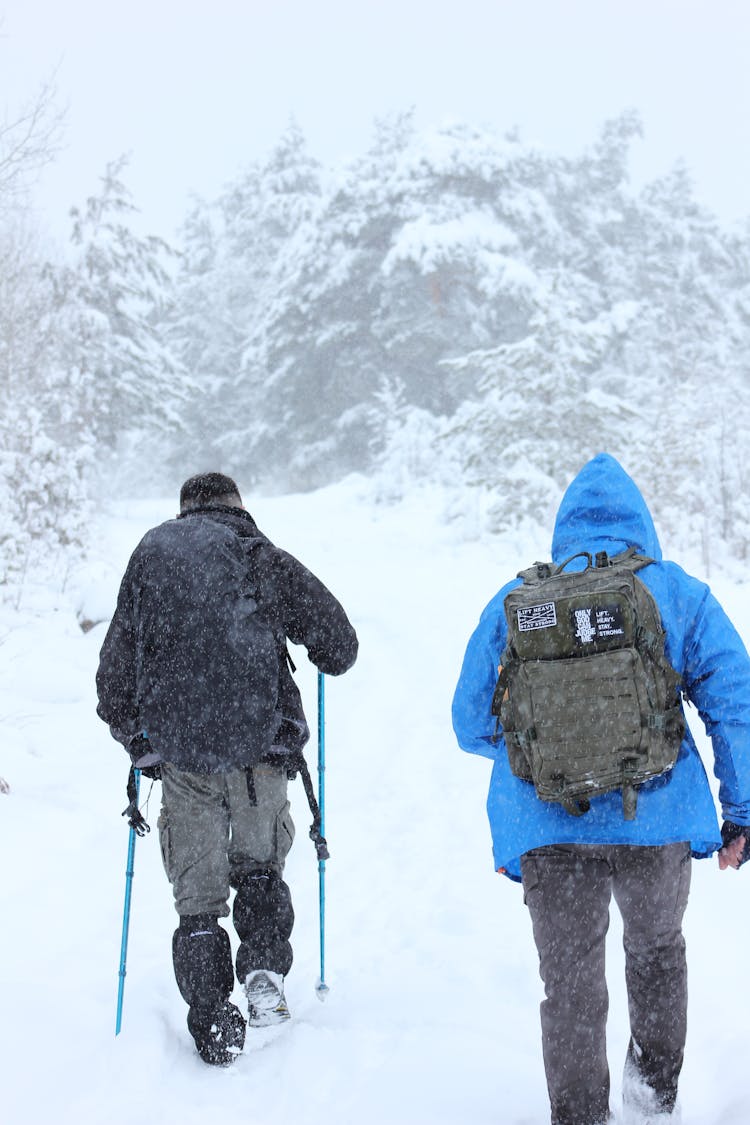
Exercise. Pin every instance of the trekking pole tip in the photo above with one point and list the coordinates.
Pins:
(321, 990)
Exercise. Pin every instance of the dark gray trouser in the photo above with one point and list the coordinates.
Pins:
(212, 835)
(567, 889)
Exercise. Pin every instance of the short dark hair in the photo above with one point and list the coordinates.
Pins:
(207, 490)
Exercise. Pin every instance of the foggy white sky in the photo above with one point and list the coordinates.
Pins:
(194, 90)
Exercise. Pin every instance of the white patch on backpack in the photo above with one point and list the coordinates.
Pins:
(585, 631)
(597, 622)
(609, 622)
(542, 616)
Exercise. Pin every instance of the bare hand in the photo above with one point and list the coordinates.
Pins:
(730, 855)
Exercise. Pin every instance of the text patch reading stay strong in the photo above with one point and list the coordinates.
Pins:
(537, 617)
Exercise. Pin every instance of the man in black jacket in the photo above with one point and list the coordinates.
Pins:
(194, 681)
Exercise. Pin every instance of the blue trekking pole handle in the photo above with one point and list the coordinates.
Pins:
(321, 987)
(126, 912)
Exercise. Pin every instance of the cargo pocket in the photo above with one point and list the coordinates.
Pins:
(683, 883)
(165, 844)
(529, 875)
(284, 833)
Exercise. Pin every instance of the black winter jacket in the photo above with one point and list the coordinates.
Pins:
(195, 655)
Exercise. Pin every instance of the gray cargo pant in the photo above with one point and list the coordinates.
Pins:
(219, 831)
(568, 889)
(212, 835)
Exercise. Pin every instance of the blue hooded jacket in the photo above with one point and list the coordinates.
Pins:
(602, 510)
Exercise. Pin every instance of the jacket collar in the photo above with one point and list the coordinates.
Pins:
(237, 518)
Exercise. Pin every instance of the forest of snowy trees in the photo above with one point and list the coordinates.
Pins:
(452, 307)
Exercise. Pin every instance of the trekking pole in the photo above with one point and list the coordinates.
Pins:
(321, 988)
(137, 828)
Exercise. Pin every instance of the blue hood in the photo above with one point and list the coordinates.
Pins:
(603, 510)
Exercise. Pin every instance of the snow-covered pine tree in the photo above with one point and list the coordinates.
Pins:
(683, 352)
(42, 499)
(412, 261)
(460, 305)
(268, 218)
(630, 345)
(315, 349)
(200, 333)
(236, 253)
(535, 403)
(43, 507)
(117, 294)
(541, 411)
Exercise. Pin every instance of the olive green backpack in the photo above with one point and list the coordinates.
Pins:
(586, 697)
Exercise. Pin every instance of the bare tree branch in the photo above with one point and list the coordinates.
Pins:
(29, 140)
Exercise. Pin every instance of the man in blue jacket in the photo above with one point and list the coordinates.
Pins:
(570, 866)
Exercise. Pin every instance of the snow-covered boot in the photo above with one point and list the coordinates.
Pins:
(266, 1004)
(649, 1089)
(219, 1035)
(633, 1116)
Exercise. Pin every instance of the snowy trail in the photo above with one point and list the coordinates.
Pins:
(432, 1015)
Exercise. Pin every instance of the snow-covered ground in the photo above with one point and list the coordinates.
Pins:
(432, 1015)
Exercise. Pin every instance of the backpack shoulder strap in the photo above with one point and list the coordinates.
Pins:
(630, 560)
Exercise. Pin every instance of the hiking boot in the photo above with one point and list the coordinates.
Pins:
(219, 1034)
(265, 998)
